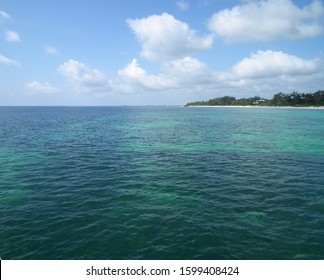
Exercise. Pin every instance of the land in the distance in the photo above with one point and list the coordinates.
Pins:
(294, 99)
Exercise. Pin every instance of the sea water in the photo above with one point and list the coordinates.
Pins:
(161, 183)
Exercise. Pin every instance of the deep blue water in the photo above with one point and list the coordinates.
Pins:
(161, 183)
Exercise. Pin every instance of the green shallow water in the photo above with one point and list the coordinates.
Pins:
(161, 183)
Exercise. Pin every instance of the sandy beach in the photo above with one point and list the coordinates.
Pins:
(268, 107)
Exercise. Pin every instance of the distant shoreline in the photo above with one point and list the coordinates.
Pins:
(250, 106)
(279, 100)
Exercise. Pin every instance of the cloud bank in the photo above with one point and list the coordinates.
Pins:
(273, 64)
(267, 21)
(170, 44)
(274, 70)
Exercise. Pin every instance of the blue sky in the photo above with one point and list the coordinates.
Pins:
(161, 52)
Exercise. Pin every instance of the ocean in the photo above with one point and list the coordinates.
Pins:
(148, 183)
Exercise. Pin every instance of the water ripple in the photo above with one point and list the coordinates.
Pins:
(161, 183)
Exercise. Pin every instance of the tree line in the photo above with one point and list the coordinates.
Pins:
(294, 99)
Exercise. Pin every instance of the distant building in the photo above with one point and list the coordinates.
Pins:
(256, 102)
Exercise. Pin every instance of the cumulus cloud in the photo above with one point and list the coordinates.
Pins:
(83, 77)
(51, 50)
(263, 72)
(189, 70)
(12, 36)
(186, 72)
(272, 63)
(37, 87)
(267, 72)
(8, 61)
(4, 16)
(183, 5)
(268, 20)
(133, 72)
(164, 38)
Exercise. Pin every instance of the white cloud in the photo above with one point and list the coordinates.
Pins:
(272, 63)
(8, 61)
(4, 16)
(83, 77)
(51, 50)
(165, 38)
(37, 87)
(12, 36)
(183, 5)
(189, 70)
(263, 73)
(133, 72)
(186, 72)
(267, 20)
(268, 72)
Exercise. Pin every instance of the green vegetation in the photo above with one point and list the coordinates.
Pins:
(293, 99)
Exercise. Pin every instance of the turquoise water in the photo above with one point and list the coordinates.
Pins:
(161, 183)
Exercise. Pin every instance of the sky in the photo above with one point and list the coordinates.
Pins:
(161, 52)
